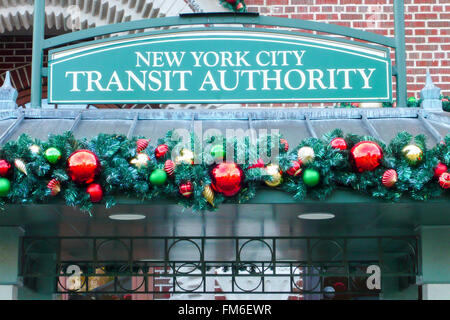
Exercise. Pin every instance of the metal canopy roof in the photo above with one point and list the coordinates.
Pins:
(270, 213)
(294, 124)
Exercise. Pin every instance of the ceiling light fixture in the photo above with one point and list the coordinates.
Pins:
(127, 217)
(316, 216)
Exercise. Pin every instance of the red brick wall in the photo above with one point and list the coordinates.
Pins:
(427, 29)
(427, 33)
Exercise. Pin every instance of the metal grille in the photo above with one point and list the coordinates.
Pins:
(132, 265)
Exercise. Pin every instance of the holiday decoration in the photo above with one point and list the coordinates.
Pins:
(95, 192)
(327, 172)
(259, 164)
(295, 169)
(34, 149)
(285, 144)
(5, 166)
(141, 144)
(444, 180)
(54, 186)
(5, 186)
(275, 173)
(366, 156)
(20, 165)
(158, 177)
(235, 5)
(52, 155)
(186, 189)
(306, 155)
(83, 166)
(208, 193)
(440, 169)
(186, 156)
(311, 177)
(389, 178)
(218, 152)
(227, 178)
(161, 151)
(140, 161)
(413, 154)
(338, 143)
(169, 167)
(355, 104)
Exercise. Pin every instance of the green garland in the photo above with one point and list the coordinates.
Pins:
(236, 5)
(119, 177)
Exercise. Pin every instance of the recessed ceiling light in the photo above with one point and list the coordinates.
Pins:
(127, 216)
(316, 216)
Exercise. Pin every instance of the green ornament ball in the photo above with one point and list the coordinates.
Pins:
(311, 177)
(52, 155)
(5, 186)
(412, 99)
(158, 177)
(217, 151)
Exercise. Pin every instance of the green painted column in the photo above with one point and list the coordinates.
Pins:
(435, 262)
(9, 261)
(38, 53)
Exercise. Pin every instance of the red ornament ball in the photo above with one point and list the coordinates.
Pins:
(169, 167)
(440, 169)
(366, 156)
(54, 186)
(259, 164)
(389, 178)
(231, 1)
(161, 151)
(83, 166)
(95, 192)
(285, 144)
(227, 178)
(142, 144)
(5, 166)
(444, 180)
(186, 189)
(339, 143)
(295, 169)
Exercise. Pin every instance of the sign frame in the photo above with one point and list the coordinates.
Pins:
(59, 55)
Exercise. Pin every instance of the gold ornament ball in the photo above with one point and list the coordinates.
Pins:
(140, 161)
(186, 156)
(306, 155)
(413, 154)
(35, 149)
(274, 171)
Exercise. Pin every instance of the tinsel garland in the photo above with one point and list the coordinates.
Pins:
(119, 177)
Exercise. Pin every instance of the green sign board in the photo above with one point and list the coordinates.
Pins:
(226, 66)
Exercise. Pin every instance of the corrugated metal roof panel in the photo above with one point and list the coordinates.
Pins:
(293, 130)
(155, 129)
(384, 123)
(388, 129)
(442, 128)
(41, 128)
(91, 128)
(347, 125)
